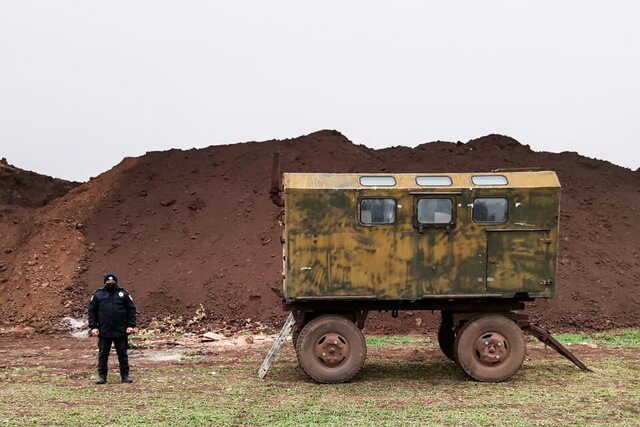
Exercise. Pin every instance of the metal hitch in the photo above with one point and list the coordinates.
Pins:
(549, 340)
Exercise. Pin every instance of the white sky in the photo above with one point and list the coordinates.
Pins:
(85, 83)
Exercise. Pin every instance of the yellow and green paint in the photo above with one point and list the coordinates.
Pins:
(329, 253)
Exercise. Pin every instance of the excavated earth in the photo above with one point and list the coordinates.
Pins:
(185, 228)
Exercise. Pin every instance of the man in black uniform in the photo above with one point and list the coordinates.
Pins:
(112, 317)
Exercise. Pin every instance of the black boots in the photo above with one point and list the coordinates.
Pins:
(124, 374)
(103, 380)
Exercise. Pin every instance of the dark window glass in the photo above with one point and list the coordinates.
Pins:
(490, 210)
(377, 211)
(435, 211)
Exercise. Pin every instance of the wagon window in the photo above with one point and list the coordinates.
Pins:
(490, 209)
(435, 211)
(377, 211)
(378, 181)
(489, 180)
(435, 181)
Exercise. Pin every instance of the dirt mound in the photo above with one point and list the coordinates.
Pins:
(21, 193)
(184, 228)
(29, 189)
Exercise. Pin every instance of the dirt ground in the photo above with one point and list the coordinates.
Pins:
(179, 380)
(75, 358)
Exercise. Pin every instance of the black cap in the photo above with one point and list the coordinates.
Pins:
(109, 276)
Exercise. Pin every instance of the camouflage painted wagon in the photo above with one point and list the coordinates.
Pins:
(475, 246)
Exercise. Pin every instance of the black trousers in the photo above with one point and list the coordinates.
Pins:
(104, 347)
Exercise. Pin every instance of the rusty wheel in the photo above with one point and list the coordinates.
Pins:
(490, 348)
(295, 333)
(331, 349)
(447, 336)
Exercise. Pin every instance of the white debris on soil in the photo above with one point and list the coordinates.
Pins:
(80, 334)
(243, 340)
(209, 340)
(212, 336)
(237, 341)
(78, 327)
(17, 330)
(164, 356)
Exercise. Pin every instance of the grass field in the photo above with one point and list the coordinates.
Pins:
(405, 381)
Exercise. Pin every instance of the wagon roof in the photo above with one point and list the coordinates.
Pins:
(537, 179)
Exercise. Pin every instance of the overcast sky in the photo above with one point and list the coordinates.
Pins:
(85, 83)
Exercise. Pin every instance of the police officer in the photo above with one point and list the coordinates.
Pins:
(112, 317)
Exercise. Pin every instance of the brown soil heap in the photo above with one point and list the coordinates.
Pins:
(182, 228)
(23, 188)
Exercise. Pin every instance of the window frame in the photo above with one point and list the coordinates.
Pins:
(377, 224)
(473, 177)
(395, 181)
(506, 214)
(434, 185)
(448, 225)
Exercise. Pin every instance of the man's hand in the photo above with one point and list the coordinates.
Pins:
(95, 332)
(130, 331)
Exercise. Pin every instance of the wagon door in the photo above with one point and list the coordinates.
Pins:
(435, 225)
(519, 260)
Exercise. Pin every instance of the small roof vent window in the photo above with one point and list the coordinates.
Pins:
(378, 181)
(489, 180)
(434, 181)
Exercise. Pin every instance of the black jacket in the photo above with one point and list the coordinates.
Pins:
(112, 312)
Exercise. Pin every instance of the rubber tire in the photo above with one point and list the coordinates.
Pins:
(447, 338)
(313, 331)
(466, 356)
(295, 334)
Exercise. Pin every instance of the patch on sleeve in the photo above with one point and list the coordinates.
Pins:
(92, 297)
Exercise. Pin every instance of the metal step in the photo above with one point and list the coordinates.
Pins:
(277, 345)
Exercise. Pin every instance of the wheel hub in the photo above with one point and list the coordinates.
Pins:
(332, 349)
(492, 348)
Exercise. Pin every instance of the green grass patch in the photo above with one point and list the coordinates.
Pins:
(394, 388)
(568, 339)
(387, 392)
(617, 338)
(396, 340)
